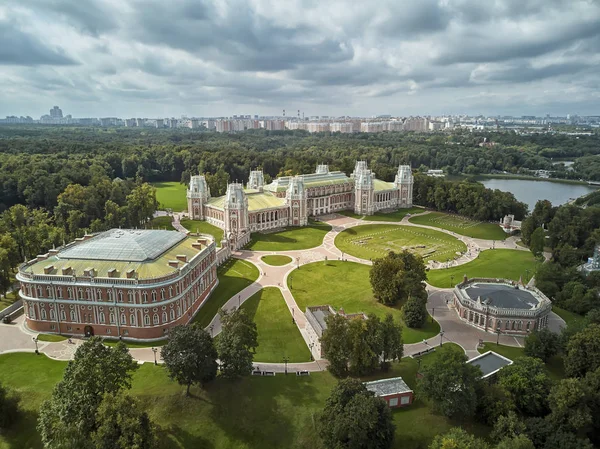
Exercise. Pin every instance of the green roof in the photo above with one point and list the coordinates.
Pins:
(217, 202)
(146, 269)
(382, 185)
(259, 201)
(311, 180)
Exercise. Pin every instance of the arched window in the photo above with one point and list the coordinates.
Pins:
(498, 324)
(111, 317)
(155, 319)
(176, 289)
(49, 292)
(52, 314)
(171, 292)
(120, 295)
(153, 295)
(528, 325)
(40, 291)
(109, 295)
(147, 320)
(520, 325)
(28, 290)
(178, 311)
(172, 314)
(63, 315)
(145, 297)
(123, 319)
(162, 293)
(80, 294)
(99, 294)
(43, 314)
(130, 296)
(164, 317)
(72, 315)
(31, 310)
(102, 317)
(132, 320)
(59, 292)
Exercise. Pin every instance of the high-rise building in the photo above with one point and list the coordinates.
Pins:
(56, 112)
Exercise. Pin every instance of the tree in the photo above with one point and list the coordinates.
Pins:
(70, 414)
(365, 347)
(493, 401)
(335, 344)
(565, 440)
(9, 408)
(528, 226)
(353, 418)
(397, 276)
(542, 344)
(538, 430)
(537, 242)
(528, 383)
(450, 383)
(141, 204)
(414, 312)
(190, 356)
(518, 442)
(507, 426)
(570, 403)
(457, 438)
(122, 425)
(392, 346)
(237, 342)
(583, 352)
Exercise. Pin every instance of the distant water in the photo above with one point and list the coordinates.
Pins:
(530, 192)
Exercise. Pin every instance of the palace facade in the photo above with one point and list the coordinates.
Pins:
(500, 305)
(119, 283)
(291, 200)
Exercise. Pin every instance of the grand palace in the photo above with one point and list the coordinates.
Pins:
(291, 200)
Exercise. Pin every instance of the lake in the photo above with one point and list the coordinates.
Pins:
(530, 192)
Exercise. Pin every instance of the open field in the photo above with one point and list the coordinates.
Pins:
(555, 367)
(171, 195)
(347, 285)
(137, 344)
(253, 412)
(290, 238)
(234, 276)
(492, 263)
(51, 338)
(461, 225)
(376, 240)
(204, 228)
(381, 216)
(571, 318)
(278, 337)
(161, 223)
(276, 261)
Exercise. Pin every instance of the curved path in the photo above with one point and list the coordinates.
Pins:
(17, 338)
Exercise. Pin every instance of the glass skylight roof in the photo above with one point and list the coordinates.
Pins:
(127, 245)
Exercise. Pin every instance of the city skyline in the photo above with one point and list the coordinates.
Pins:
(211, 58)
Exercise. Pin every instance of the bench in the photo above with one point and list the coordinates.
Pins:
(421, 353)
(302, 373)
(268, 373)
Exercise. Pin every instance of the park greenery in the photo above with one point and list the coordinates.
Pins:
(461, 225)
(357, 346)
(289, 239)
(9, 408)
(278, 334)
(276, 260)
(171, 195)
(237, 343)
(203, 227)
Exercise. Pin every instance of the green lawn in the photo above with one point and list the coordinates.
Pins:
(570, 318)
(253, 412)
(171, 195)
(51, 338)
(136, 344)
(204, 228)
(347, 285)
(394, 216)
(234, 276)
(461, 225)
(276, 261)
(373, 241)
(8, 300)
(290, 239)
(278, 337)
(161, 223)
(555, 367)
(350, 214)
(492, 263)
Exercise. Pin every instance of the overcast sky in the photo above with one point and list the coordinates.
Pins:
(325, 57)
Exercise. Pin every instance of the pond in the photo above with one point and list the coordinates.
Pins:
(530, 191)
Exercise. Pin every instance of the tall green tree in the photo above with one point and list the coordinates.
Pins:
(518, 442)
(450, 383)
(70, 414)
(190, 356)
(392, 347)
(397, 276)
(353, 418)
(457, 438)
(537, 242)
(542, 344)
(141, 204)
(236, 343)
(414, 311)
(335, 344)
(583, 352)
(122, 424)
(528, 383)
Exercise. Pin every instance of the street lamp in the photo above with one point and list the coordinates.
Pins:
(35, 340)
(290, 281)
(293, 316)
(239, 301)
(441, 337)
(451, 280)
(286, 360)
(154, 350)
(432, 313)
(298, 262)
(310, 346)
(211, 327)
(498, 331)
(527, 274)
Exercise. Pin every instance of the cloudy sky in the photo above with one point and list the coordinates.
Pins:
(324, 57)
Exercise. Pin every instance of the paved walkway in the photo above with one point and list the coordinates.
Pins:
(16, 337)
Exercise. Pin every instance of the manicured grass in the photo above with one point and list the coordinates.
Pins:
(171, 195)
(8, 300)
(555, 366)
(347, 285)
(492, 263)
(234, 276)
(290, 239)
(350, 214)
(278, 337)
(136, 344)
(570, 318)
(161, 223)
(51, 338)
(253, 412)
(204, 228)
(276, 261)
(394, 216)
(461, 225)
(376, 240)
